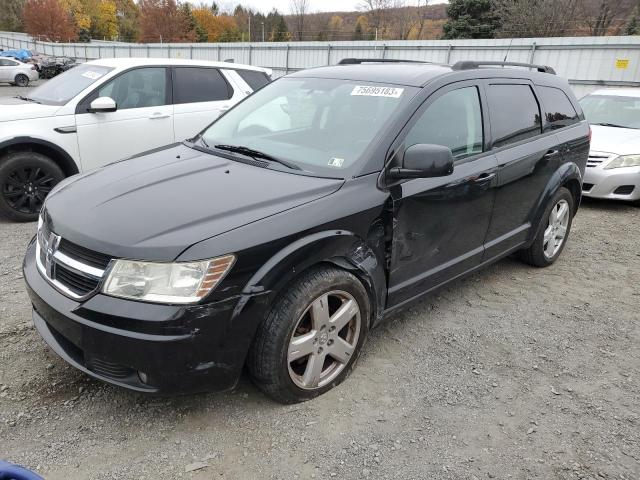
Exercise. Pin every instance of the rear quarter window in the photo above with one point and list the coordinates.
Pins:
(254, 79)
(514, 114)
(193, 84)
(559, 109)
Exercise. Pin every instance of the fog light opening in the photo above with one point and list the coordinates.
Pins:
(143, 377)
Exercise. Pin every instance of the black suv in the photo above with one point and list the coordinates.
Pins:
(303, 217)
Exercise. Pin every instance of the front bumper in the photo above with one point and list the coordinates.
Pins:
(146, 347)
(614, 184)
(33, 75)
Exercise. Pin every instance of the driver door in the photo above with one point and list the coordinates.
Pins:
(440, 224)
(143, 119)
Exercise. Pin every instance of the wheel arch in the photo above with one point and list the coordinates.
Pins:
(568, 176)
(339, 248)
(44, 147)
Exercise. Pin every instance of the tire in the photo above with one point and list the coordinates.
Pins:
(292, 320)
(21, 80)
(25, 180)
(542, 252)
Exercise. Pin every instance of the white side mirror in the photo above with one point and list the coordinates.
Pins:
(103, 104)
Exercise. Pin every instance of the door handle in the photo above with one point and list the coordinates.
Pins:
(550, 154)
(484, 177)
(158, 115)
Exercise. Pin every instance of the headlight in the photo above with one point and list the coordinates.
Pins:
(624, 161)
(187, 282)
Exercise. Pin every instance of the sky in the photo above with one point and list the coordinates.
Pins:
(284, 6)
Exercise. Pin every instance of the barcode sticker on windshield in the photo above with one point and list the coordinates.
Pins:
(390, 92)
(92, 75)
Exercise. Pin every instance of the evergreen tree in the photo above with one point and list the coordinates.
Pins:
(633, 27)
(470, 19)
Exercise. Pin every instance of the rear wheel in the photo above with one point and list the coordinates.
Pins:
(26, 178)
(553, 235)
(21, 80)
(310, 340)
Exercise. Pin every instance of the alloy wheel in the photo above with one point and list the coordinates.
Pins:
(324, 340)
(556, 230)
(22, 80)
(25, 189)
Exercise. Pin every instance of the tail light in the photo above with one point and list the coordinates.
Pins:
(33, 67)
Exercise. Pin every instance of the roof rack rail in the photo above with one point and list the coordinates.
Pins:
(470, 65)
(357, 61)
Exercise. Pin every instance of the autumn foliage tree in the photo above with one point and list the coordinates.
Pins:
(218, 27)
(49, 19)
(164, 21)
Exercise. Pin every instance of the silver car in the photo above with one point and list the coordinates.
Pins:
(17, 73)
(613, 169)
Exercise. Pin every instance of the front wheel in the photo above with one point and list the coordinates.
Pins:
(552, 237)
(26, 178)
(21, 80)
(312, 337)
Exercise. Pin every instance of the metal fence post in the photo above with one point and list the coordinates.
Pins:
(250, 54)
(384, 50)
(147, 50)
(329, 54)
(191, 52)
(286, 60)
(219, 53)
(449, 48)
(533, 52)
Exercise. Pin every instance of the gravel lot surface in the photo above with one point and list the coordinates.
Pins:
(514, 372)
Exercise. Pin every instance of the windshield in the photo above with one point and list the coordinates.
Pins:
(321, 125)
(62, 88)
(612, 110)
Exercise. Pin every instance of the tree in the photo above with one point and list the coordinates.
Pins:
(49, 19)
(163, 21)
(11, 15)
(334, 27)
(219, 28)
(277, 26)
(633, 26)
(601, 15)
(535, 18)
(105, 23)
(470, 19)
(128, 18)
(299, 10)
(361, 31)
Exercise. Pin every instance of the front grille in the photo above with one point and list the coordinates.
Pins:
(79, 284)
(624, 190)
(84, 255)
(74, 270)
(597, 158)
(587, 187)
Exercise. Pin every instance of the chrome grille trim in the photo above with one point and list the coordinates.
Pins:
(57, 257)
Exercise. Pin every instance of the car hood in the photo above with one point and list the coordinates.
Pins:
(622, 141)
(154, 206)
(12, 108)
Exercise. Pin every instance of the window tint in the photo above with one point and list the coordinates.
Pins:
(192, 85)
(560, 111)
(515, 115)
(142, 87)
(254, 79)
(454, 120)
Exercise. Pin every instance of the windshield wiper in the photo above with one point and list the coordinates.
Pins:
(26, 99)
(256, 154)
(613, 125)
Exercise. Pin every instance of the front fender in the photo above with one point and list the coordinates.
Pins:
(565, 174)
(338, 247)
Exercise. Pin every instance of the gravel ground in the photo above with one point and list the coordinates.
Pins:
(514, 372)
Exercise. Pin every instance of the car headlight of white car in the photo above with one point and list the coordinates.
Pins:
(624, 161)
(184, 282)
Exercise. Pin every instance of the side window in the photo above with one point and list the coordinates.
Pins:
(454, 120)
(515, 114)
(138, 88)
(254, 79)
(560, 111)
(7, 63)
(192, 84)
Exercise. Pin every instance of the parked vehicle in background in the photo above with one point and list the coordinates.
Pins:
(613, 169)
(50, 67)
(106, 110)
(16, 72)
(280, 244)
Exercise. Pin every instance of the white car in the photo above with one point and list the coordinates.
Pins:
(106, 110)
(613, 168)
(17, 73)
